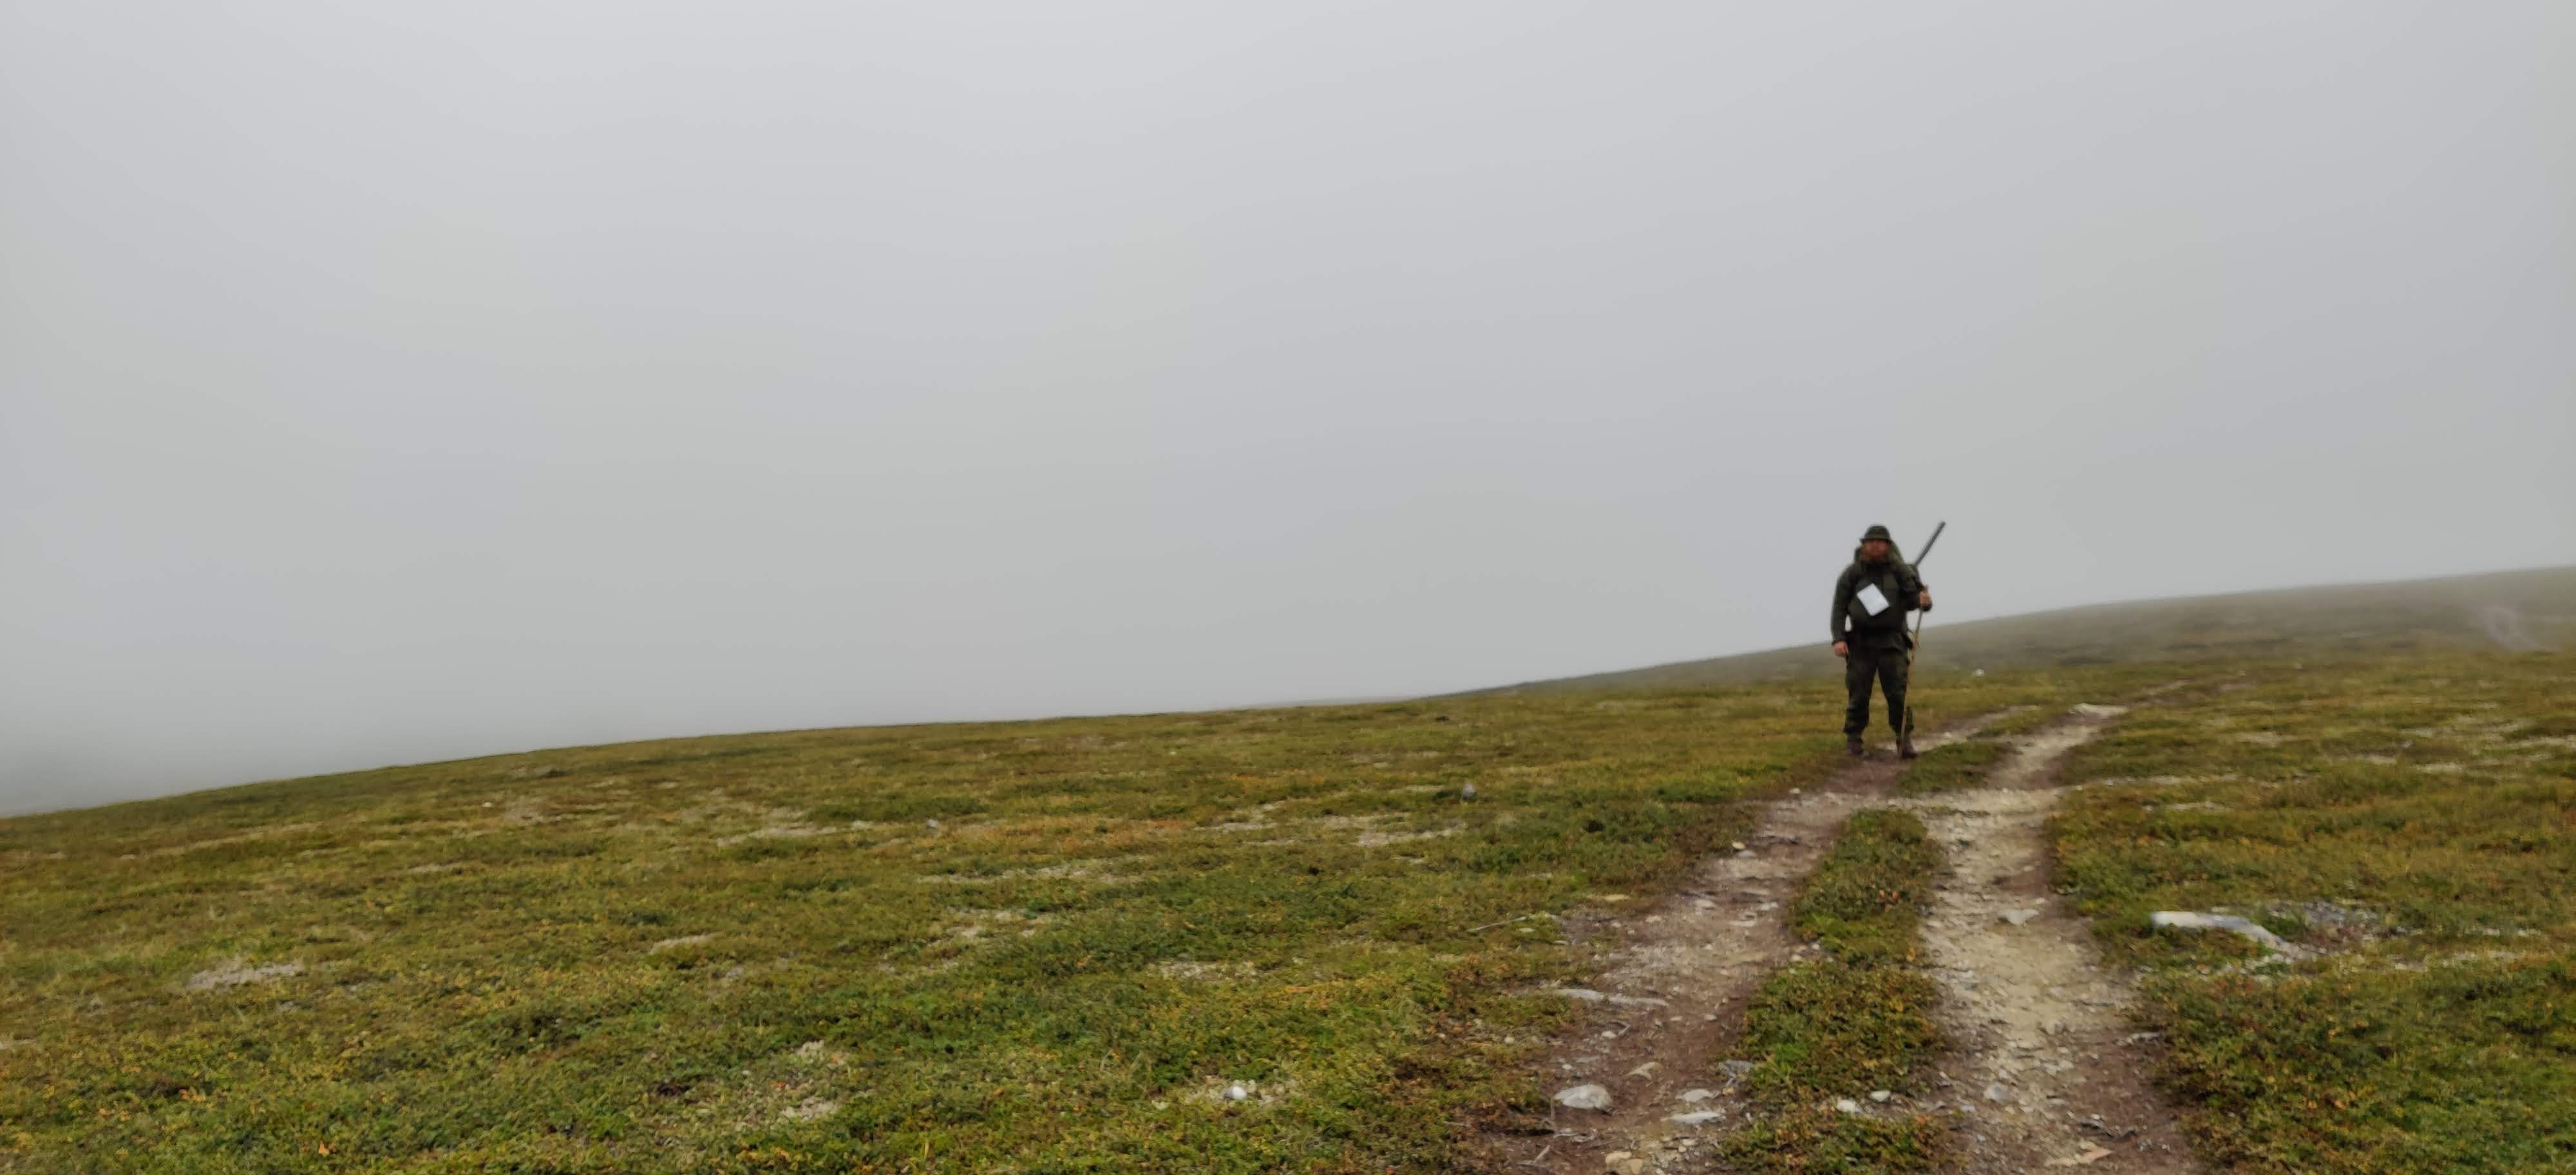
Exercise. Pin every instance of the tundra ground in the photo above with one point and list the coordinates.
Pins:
(1273, 940)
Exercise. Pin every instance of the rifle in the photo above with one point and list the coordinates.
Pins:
(1914, 640)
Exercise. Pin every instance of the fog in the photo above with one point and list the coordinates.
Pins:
(383, 383)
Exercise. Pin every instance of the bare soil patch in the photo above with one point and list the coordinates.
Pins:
(2047, 1072)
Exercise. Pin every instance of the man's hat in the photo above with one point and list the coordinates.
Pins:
(1877, 532)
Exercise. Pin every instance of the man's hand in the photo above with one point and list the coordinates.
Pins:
(1925, 600)
(1842, 648)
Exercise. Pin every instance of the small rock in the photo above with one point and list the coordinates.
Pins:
(1735, 1068)
(235, 974)
(2194, 920)
(1738, 846)
(810, 1109)
(1468, 792)
(1619, 1001)
(1695, 1117)
(2017, 917)
(1696, 1096)
(1236, 1092)
(1997, 1093)
(1584, 1097)
(930, 824)
(1880, 1095)
(1646, 1070)
(1847, 1105)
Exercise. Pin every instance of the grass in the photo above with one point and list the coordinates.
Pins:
(1863, 902)
(1856, 1020)
(2408, 820)
(756, 953)
(1953, 766)
(2019, 704)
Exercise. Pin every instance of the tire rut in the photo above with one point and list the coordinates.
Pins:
(1673, 983)
(2045, 1071)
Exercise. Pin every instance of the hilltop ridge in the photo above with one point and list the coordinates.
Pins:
(2524, 610)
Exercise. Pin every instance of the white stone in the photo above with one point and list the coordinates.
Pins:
(1584, 1097)
(2194, 920)
(1590, 996)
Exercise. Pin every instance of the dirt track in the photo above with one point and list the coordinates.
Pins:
(1675, 981)
(2045, 1072)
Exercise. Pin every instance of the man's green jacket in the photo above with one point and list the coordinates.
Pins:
(1852, 619)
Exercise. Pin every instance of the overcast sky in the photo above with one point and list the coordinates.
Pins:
(389, 382)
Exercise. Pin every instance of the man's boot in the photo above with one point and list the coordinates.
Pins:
(1851, 743)
(1904, 744)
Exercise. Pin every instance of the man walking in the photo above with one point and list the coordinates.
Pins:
(1871, 598)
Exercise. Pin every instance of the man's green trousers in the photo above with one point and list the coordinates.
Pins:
(1887, 666)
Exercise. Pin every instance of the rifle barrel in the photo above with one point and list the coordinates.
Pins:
(1916, 641)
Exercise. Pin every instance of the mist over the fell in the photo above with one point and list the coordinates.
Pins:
(387, 383)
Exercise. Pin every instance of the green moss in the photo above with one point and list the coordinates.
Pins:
(613, 958)
(2407, 818)
(1814, 1141)
(2462, 1067)
(1835, 1029)
(1858, 1019)
(1862, 903)
(1953, 766)
(502, 966)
